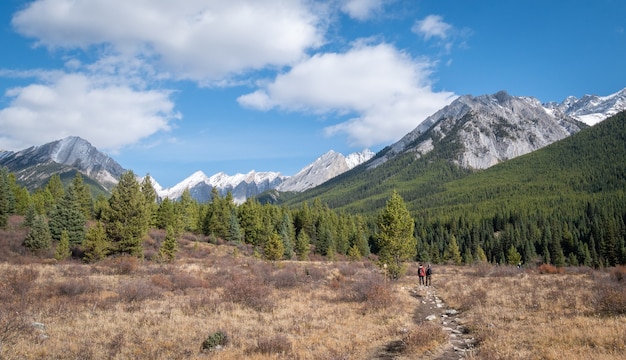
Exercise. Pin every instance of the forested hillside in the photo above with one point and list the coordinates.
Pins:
(563, 205)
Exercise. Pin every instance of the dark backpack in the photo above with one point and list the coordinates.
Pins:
(429, 271)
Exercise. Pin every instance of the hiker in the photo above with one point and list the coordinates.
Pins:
(421, 272)
(429, 272)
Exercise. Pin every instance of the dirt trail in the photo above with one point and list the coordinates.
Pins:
(460, 345)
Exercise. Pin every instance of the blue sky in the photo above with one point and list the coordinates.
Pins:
(171, 87)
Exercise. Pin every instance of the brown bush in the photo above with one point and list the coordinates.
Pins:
(182, 281)
(373, 290)
(21, 281)
(315, 273)
(609, 297)
(278, 344)
(249, 292)
(138, 290)
(285, 278)
(121, 265)
(74, 287)
(424, 337)
(619, 273)
(549, 269)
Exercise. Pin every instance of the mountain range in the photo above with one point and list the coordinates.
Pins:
(474, 132)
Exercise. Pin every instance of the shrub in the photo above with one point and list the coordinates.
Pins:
(285, 278)
(374, 291)
(134, 291)
(75, 286)
(426, 336)
(278, 344)
(249, 292)
(549, 269)
(619, 273)
(609, 296)
(215, 341)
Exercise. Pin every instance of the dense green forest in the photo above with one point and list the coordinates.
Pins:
(563, 205)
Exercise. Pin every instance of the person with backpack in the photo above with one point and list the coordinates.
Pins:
(429, 273)
(421, 273)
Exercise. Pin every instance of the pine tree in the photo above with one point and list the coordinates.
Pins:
(303, 246)
(55, 187)
(62, 250)
(96, 246)
(480, 255)
(274, 248)
(513, 257)
(188, 210)
(169, 247)
(234, 230)
(83, 196)
(395, 238)
(150, 195)
(287, 234)
(452, 252)
(38, 238)
(353, 253)
(68, 216)
(4, 198)
(127, 218)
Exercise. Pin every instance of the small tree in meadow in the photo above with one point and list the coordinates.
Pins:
(63, 251)
(96, 245)
(38, 238)
(169, 247)
(274, 247)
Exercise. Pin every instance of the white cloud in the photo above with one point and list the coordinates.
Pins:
(361, 9)
(205, 41)
(432, 26)
(388, 92)
(109, 116)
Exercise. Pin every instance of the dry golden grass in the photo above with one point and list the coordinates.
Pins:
(123, 308)
(128, 308)
(522, 314)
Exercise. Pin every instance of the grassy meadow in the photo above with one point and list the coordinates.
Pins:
(220, 301)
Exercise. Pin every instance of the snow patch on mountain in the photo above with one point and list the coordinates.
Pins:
(591, 109)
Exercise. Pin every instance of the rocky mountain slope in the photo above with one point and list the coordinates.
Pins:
(486, 130)
(34, 166)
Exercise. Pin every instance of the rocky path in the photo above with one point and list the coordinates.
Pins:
(460, 345)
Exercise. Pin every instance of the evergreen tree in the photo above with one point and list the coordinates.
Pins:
(30, 216)
(480, 255)
(96, 246)
(353, 253)
(169, 247)
(188, 210)
(5, 194)
(513, 257)
(62, 250)
(395, 238)
(38, 238)
(68, 216)
(234, 230)
(287, 234)
(127, 218)
(83, 195)
(452, 253)
(274, 248)
(303, 246)
(55, 187)
(150, 195)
